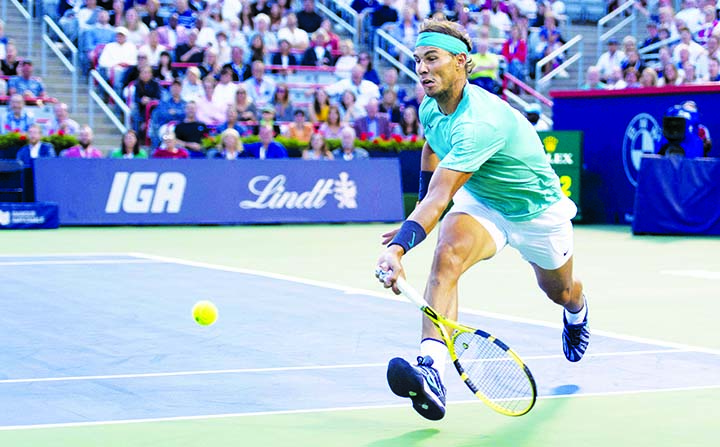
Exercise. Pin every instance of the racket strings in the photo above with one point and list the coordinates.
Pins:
(493, 372)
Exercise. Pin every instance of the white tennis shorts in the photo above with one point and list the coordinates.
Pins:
(546, 240)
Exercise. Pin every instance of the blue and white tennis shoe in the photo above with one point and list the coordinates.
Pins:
(421, 383)
(576, 338)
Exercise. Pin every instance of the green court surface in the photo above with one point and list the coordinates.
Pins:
(662, 289)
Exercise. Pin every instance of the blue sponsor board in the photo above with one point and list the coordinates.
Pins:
(620, 127)
(168, 192)
(28, 215)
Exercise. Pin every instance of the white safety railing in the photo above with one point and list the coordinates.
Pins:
(71, 64)
(541, 81)
(630, 19)
(383, 42)
(342, 15)
(96, 80)
(27, 15)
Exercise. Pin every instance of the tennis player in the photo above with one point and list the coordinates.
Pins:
(487, 158)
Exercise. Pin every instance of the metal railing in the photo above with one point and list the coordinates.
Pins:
(71, 64)
(27, 15)
(603, 37)
(541, 82)
(384, 41)
(96, 80)
(343, 16)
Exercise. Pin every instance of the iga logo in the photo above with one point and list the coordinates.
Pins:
(641, 136)
(146, 192)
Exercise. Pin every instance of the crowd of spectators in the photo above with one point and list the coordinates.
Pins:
(193, 69)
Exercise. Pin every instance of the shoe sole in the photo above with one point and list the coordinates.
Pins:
(404, 381)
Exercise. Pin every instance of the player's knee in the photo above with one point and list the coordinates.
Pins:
(447, 259)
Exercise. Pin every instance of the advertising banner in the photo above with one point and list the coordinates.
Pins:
(28, 215)
(564, 152)
(168, 192)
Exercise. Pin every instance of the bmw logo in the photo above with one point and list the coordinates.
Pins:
(641, 137)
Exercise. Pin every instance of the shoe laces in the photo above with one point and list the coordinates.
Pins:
(575, 333)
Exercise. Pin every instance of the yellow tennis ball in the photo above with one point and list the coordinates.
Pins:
(205, 313)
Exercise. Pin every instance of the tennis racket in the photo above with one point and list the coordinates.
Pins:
(494, 373)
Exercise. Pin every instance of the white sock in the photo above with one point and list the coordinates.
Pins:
(577, 318)
(438, 351)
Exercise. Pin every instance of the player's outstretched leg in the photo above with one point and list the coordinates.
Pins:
(576, 335)
(421, 383)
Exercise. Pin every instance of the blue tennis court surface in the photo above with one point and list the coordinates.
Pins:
(93, 338)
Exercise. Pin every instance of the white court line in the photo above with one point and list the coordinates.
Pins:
(703, 274)
(388, 296)
(64, 255)
(79, 262)
(328, 410)
(302, 368)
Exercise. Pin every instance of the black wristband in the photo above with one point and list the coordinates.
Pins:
(411, 234)
(425, 177)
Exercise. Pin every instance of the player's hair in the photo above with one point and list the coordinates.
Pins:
(453, 29)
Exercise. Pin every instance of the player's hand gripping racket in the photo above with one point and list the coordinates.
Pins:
(492, 371)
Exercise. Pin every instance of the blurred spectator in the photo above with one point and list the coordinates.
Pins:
(349, 108)
(374, 124)
(320, 106)
(615, 80)
(389, 106)
(284, 58)
(210, 65)
(259, 87)
(671, 75)
(266, 147)
(170, 149)
(61, 121)
(133, 73)
(360, 5)
(318, 54)
(332, 127)
(267, 118)
(417, 98)
(231, 9)
(117, 56)
(10, 63)
(190, 51)
(170, 109)
(25, 83)
(245, 106)
(709, 25)
(406, 32)
(262, 29)
(153, 48)
(17, 119)
(260, 7)
(690, 77)
(648, 78)
(186, 16)
(3, 39)
(78, 19)
(150, 17)
(165, 72)
(209, 110)
(318, 150)
(713, 70)
(191, 131)
(300, 129)
(347, 59)
(236, 36)
(691, 15)
(298, 38)
(231, 122)
(147, 89)
(206, 34)
(137, 31)
(224, 93)
(84, 148)
(365, 61)
(257, 49)
(363, 90)
(347, 150)
(485, 69)
(631, 78)
(192, 88)
(652, 37)
(532, 113)
(101, 33)
(172, 34)
(308, 19)
(240, 70)
(35, 148)
(666, 17)
(384, 13)
(129, 147)
(390, 78)
(633, 60)
(281, 102)
(409, 125)
(333, 39)
(277, 17)
(231, 146)
(592, 79)
(609, 59)
(515, 52)
(686, 43)
(117, 13)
